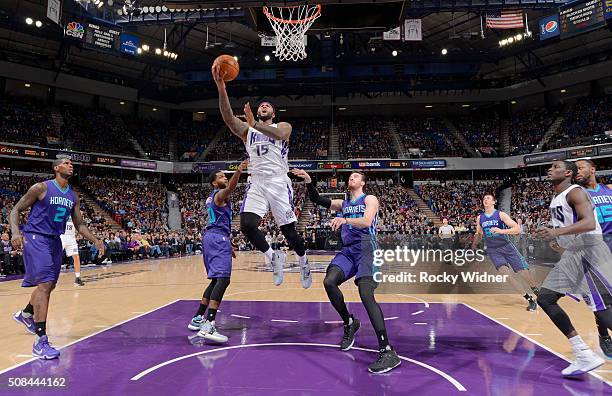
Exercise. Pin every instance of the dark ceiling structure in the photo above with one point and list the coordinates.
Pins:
(345, 49)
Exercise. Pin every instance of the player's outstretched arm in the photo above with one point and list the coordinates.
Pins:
(580, 201)
(36, 192)
(238, 128)
(282, 131)
(513, 227)
(222, 196)
(81, 227)
(313, 194)
(366, 221)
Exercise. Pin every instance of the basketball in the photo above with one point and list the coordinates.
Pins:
(228, 65)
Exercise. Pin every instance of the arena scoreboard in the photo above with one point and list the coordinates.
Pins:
(580, 17)
(95, 35)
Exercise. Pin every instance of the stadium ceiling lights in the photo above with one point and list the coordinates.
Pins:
(514, 39)
(563, 91)
(267, 58)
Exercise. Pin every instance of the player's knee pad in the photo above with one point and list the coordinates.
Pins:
(249, 222)
(294, 239)
(219, 289)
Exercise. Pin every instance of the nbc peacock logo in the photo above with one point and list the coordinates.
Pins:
(75, 29)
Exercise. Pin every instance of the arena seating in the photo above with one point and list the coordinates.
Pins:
(365, 138)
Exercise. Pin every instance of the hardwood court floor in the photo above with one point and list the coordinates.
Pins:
(120, 292)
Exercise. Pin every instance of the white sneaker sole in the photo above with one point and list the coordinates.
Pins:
(219, 339)
(385, 370)
(193, 328)
(349, 347)
(586, 369)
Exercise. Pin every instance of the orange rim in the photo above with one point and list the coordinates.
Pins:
(292, 21)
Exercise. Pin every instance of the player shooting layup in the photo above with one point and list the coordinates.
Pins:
(267, 144)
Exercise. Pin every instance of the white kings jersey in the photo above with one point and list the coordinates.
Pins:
(70, 232)
(563, 215)
(267, 156)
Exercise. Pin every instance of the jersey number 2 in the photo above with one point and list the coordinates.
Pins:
(60, 214)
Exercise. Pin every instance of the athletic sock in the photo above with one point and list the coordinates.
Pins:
(578, 344)
(349, 321)
(77, 274)
(269, 254)
(211, 314)
(41, 328)
(383, 341)
(28, 311)
(201, 310)
(302, 260)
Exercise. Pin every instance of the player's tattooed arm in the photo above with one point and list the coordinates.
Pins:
(35, 193)
(238, 127)
(313, 194)
(281, 132)
(81, 227)
(513, 227)
(222, 196)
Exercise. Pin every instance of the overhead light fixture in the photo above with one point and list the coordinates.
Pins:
(267, 58)
(122, 103)
(341, 108)
(27, 85)
(394, 53)
(158, 9)
(154, 108)
(444, 51)
(139, 51)
(465, 105)
(38, 24)
(235, 57)
(283, 110)
(513, 102)
(145, 48)
(29, 21)
(158, 51)
(428, 106)
(563, 91)
(166, 53)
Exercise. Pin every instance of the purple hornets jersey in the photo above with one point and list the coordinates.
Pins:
(602, 199)
(355, 209)
(219, 217)
(50, 214)
(489, 221)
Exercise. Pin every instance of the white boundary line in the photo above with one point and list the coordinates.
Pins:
(91, 335)
(284, 321)
(240, 316)
(441, 373)
(535, 342)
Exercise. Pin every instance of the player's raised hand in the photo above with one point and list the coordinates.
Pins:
(337, 222)
(243, 165)
(17, 241)
(219, 77)
(248, 114)
(301, 173)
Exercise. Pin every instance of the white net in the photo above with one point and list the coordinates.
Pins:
(290, 25)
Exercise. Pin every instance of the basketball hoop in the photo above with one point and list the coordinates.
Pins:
(290, 25)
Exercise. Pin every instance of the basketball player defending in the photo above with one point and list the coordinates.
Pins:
(217, 251)
(601, 195)
(70, 246)
(358, 227)
(496, 226)
(583, 269)
(267, 144)
(52, 203)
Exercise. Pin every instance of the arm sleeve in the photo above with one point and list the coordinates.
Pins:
(314, 196)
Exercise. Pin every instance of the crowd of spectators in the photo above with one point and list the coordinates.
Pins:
(137, 206)
(530, 201)
(482, 132)
(527, 130)
(460, 203)
(582, 120)
(24, 120)
(429, 135)
(365, 138)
